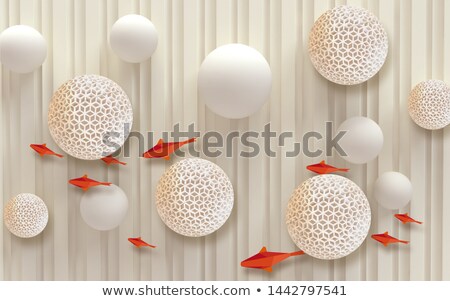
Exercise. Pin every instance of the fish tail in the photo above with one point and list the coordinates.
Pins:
(105, 183)
(123, 163)
(297, 253)
(404, 242)
(343, 169)
(58, 155)
(417, 222)
(191, 140)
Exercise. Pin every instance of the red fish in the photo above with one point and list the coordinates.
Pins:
(165, 149)
(386, 239)
(266, 260)
(111, 160)
(322, 168)
(85, 183)
(405, 218)
(42, 150)
(138, 242)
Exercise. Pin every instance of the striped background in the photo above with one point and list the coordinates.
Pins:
(163, 92)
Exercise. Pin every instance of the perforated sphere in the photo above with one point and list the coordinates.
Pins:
(429, 104)
(194, 197)
(25, 215)
(348, 45)
(90, 117)
(328, 216)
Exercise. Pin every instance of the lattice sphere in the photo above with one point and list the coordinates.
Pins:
(25, 215)
(90, 117)
(429, 104)
(328, 216)
(348, 45)
(194, 197)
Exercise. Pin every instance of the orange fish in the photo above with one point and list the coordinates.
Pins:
(85, 183)
(386, 239)
(111, 160)
(164, 149)
(266, 260)
(138, 242)
(405, 218)
(42, 150)
(322, 168)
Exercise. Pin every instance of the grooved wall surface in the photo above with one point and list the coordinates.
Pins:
(163, 91)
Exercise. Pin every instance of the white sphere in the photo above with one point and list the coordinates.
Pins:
(90, 117)
(104, 208)
(133, 38)
(194, 197)
(234, 81)
(392, 190)
(429, 104)
(25, 215)
(362, 141)
(328, 216)
(348, 45)
(22, 48)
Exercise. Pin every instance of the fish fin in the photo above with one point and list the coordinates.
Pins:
(268, 269)
(84, 176)
(263, 249)
(386, 233)
(385, 244)
(45, 144)
(406, 214)
(297, 253)
(322, 162)
(85, 188)
(41, 154)
(403, 222)
(160, 141)
(167, 157)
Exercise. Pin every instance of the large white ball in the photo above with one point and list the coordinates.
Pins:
(429, 104)
(392, 190)
(234, 81)
(328, 216)
(22, 48)
(348, 45)
(194, 197)
(90, 117)
(362, 141)
(104, 207)
(133, 38)
(25, 215)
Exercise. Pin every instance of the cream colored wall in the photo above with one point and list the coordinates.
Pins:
(163, 92)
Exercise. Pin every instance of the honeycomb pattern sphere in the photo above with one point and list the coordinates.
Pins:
(194, 197)
(328, 216)
(90, 117)
(429, 104)
(348, 45)
(25, 215)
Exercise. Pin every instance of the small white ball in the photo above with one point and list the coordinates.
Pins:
(429, 104)
(133, 38)
(393, 190)
(362, 141)
(234, 81)
(22, 48)
(25, 215)
(194, 197)
(104, 207)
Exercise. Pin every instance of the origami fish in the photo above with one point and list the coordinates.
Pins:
(42, 150)
(386, 239)
(266, 260)
(138, 242)
(111, 160)
(85, 183)
(165, 149)
(405, 218)
(322, 168)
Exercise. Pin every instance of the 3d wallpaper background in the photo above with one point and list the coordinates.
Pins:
(163, 93)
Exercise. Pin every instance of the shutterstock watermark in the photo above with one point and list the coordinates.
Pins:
(213, 144)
